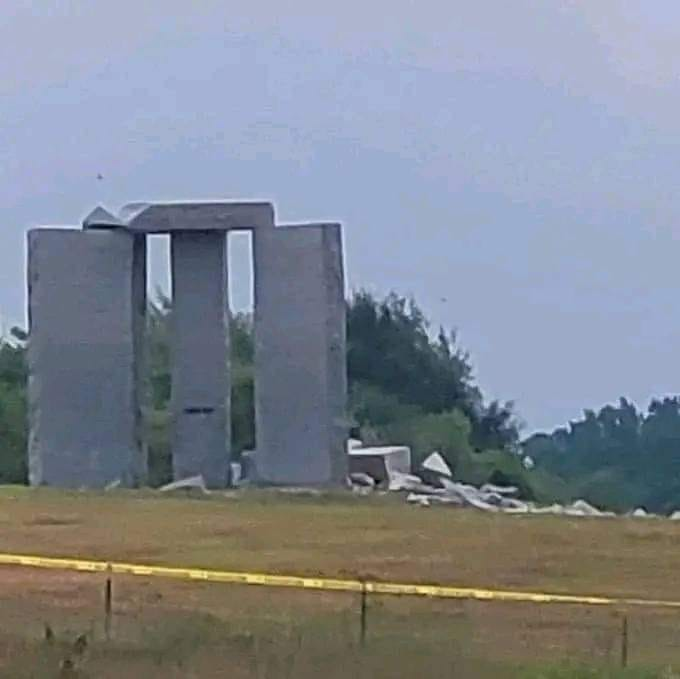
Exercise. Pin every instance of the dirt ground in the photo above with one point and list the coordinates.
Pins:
(178, 629)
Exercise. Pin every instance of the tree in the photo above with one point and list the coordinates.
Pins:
(618, 457)
(390, 348)
(13, 408)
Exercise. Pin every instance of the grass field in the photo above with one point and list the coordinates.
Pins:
(177, 629)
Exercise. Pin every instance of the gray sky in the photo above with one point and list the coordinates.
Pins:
(514, 165)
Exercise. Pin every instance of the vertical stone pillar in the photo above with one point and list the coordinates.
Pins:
(86, 307)
(200, 354)
(300, 355)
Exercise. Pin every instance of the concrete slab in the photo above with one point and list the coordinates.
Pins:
(100, 218)
(197, 216)
(200, 354)
(300, 345)
(86, 319)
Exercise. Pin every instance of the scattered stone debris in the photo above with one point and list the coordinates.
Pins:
(433, 469)
(382, 463)
(429, 500)
(114, 485)
(361, 483)
(581, 508)
(501, 490)
(236, 471)
(191, 483)
(361, 479)
(434, 485)
(555, 509)
(409, 482)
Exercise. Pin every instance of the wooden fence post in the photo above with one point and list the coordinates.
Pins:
(108, 603)
(624, 642)
(364, 596)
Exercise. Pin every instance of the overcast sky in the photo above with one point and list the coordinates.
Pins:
(513, 165)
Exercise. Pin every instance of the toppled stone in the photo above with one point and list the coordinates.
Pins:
(236, 473)
(419, 499)
(469, 495)
(383, 463)
(428, 500)
(191, 483)
(585, 508)
(113, 485)
(640, 513)
(519, 508)
(362, 479)
(436, 464)
(513, 506)
(409, 482)
(500, 490)
(555, 509)
(494, 499)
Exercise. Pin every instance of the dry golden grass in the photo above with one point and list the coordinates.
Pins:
(175, 629)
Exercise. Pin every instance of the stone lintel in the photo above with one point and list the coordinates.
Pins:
(197, 216)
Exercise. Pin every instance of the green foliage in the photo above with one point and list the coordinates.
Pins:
(13, 376)
(447, 433)
(390, 348)
(158, 438)
(500, 468)
(242, 384)
(376, 412)
(158, 351)
(618, 457)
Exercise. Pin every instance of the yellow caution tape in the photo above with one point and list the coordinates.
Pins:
(328, 584)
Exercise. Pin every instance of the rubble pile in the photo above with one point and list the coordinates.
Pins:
(434, 484)
(387, 470)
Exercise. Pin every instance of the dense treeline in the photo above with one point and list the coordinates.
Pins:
(406, 386)
(13, 434)
(618, 457)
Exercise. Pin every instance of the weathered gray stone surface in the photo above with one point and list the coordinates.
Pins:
(86, 316)
(301, 383)
(208, 216)
(100, 218)
(200, 377)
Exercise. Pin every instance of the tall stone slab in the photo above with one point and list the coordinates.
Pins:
(87, 301)
(300, 345)
(200, 354)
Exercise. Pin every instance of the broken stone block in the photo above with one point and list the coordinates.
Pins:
(192, 483)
